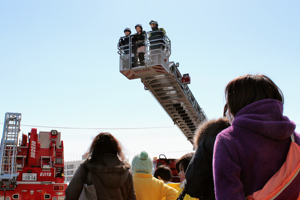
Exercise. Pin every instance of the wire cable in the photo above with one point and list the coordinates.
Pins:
(111, 128)
(64, 127)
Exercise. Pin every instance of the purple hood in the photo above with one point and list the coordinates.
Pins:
(266, 118)
(252, 150)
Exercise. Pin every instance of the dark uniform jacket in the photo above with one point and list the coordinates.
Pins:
(112, 181)
(157, 34)
(200, 166)
(139, 39)
(124, 41)
(199, 174)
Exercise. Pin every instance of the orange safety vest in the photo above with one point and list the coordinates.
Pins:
(287, 178)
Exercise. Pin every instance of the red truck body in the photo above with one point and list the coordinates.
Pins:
(170, 162)
(40, 167)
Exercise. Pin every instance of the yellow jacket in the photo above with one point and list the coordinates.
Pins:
(176, 186)
(149, 188)
(186, 197)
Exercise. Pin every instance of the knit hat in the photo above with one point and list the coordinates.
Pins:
(142, 163)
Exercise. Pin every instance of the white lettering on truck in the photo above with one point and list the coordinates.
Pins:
(45, 174)
(33, 149)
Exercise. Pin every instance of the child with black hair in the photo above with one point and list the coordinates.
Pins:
(164, 173)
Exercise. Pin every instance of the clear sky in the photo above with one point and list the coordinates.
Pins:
(59, 65)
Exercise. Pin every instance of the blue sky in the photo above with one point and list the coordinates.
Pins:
(59, 65)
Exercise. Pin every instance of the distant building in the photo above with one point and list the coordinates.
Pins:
(71, 167)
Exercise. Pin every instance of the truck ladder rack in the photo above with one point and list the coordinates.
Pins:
(177, 100)
(8, 152)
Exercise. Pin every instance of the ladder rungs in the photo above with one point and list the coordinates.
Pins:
(9, 148)
(8, 141)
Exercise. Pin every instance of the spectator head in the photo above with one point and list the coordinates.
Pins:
(182, 164)
(127, 31)
(248, 89)
(142, 163)
(104, 143)
(153, 24)
(138, 28)
(211, 127)
(163, 173)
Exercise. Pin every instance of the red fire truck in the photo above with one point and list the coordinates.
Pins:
(32, 169)
(170, 162)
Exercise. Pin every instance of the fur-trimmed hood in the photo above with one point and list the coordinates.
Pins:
(210, 128)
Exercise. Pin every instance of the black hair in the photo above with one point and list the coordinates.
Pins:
(184, 161)
(163, 172)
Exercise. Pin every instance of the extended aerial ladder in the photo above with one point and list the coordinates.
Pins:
(8, 152)
(163, 79)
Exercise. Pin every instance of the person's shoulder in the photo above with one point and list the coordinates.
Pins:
(158, 182)
(162, 29)
(81, 170)
(166, 187)
(229, 140)
(226, 133)
(226, 137)
(84, 164)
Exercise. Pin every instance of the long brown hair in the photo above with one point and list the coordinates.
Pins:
(105, 143)
(248, 89)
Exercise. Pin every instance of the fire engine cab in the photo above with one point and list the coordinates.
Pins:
(32, 169)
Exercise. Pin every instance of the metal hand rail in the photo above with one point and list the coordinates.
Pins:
(161, 40)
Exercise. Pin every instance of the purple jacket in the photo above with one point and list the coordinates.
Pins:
(252, 150)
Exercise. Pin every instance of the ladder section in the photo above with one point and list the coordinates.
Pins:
(8, 153)
(177, 100)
